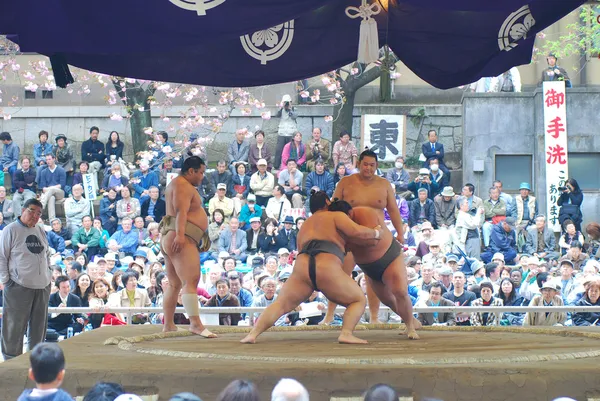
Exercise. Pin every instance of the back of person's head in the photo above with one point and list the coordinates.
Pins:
(193, 162)
(47, 363)
(318, 200)
(340, 206)
(381, 392)
(239, 390)
(541, 279)
(185, 397)
(103, 391)
(289, 390)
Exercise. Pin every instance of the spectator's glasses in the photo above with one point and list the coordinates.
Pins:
(34, 212)
(233, 277)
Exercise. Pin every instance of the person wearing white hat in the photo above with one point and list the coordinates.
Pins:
(252, 235)
(549, 297)
(249, 211)
(262, 183)
(423, 180)
(445, 208)
(287, 126)
(221, 201)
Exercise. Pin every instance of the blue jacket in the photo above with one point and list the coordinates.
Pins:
(414, 206)
(48, 178)
(93, 151)
(246, 215)
(245, 298)
(323, 181)
(106, 213)
(432, 189)
(128, 241)
(23, 178)
(430, 154)
(500, 240)
(40, 151)
(55, 241)
(60, 395)
(287, 241)
(146, 181)
(10, 155)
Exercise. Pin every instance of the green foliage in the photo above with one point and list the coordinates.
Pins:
(412, 161)
(417, 116)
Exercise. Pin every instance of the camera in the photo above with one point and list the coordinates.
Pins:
(287, 104)
(562, 188)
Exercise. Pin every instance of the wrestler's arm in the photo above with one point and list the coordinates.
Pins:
(182, 200)
(350, 229)
(339, 190)
(392, 209)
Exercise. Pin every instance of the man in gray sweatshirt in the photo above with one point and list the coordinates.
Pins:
(26, 275)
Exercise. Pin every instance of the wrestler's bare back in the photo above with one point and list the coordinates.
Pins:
(323, 226)
(181, 192)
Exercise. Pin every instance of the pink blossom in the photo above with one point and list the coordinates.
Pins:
(314, 99)
(246, 111)
(163, 87)
(266, 115)
(130, 80)
(28, 75)
(167, 149)
(116, 117)
(331, 87)
(304, 94)
(541, 35)
(199, 120)
(212, 109)
(328, 119)
(326, 81)
(16, 67)
(333, 100)
(7, 116)
(354, 71)
(148, 130)
(31, 87)
(166, 119)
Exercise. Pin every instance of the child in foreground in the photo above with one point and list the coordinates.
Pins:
(47, 371)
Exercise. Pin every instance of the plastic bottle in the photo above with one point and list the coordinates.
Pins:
(69, 332)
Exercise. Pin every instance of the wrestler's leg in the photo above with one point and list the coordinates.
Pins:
(373, 305)
(347, 267)
(295, 290)
(170, 296)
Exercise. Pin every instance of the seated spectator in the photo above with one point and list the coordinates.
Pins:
(239, 390)
(426, 280)
(81, 285)
(63, 154)
(591, 297)
(575, 255)
(437, 175)
(215, 228)
(153, 209)
(222, 202)
(240, 184)
(526, 206)
(140, 230)
(262, 183)
(380, 392)
(206, 190)
(487, 299)
(593, 242)
(114, 150)
(162, 147)
(502, 240)
(460, 297)
(55, 241)
(40, 150)
(126, 238)
(423, 238)
(58, 229)
(423, 181)
(549, 297)
(7, 207)
(319, 180)
(317, 148)
(421, 209)
(495, 210)
(435, 257)
(403, 208)
(60, 322)
(291, 180)
(224, 298)
(510, 297)
(244, 296)
(294, 150)
(467, 229)
(115, 180)
(340, 172)
(108, 211)
(10, 156)
(435, 318)
(399, 177)
(131, 297)
(567, 282)
(104, 235)
(92, 151)
(76, 207)
(278, 206)
(286, 238)
(540, 241)
(83, 169)
(238, 149)
(267, 240)
(127, 207)
(570, 235)
(259, 149)
(445, 208)
(252, 236)
(98, 299)
(249, 211)
(222, 176)
(268, 286)
(86, 239)
(25, 185)
(233, 241)
(166, 169)
(345, 152)
(52, 181)
(48, 372)
(314, 298)
(153, 240)
(142, 180)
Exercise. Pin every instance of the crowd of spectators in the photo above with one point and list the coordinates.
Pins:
(459, 249)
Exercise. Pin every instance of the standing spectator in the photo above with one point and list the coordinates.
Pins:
(222, 202)
(294, 150)
(76, 207)
(7, 207)
(467, 229)
(549, 297)
(259, 150)
(126, 239)
(541, 242)
(63, 298)
(249, 211)
(10, 156)
(25, 273)
(127, 207)
(278, 206)
(319, 179)
(238, 149)
(287, 126)
(108, 211)
(317, 148)
(570, 204)
(262, 183)
(291, 180)
(502, 240)
(92, 151)
(508, 81)
(52, 181)
(487, 299)
(495, 210)
(421, 209)
(554, 72)
(25, 184)
(445, 208)
(398, 176)
(63, 153)
(233, 241)
(345, 152)
(41, 149)
(165, 171)
(526, 206)
(435, 318)
(114, 150)
(434, 150)
(591, 297)
(86, 239)
(142, 180)
(153, 209)
(115, 180)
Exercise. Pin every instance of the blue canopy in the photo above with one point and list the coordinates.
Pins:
(258, 42)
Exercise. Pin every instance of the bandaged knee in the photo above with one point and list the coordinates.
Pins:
(190, 304)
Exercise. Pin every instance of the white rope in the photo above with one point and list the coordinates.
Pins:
(368, 41)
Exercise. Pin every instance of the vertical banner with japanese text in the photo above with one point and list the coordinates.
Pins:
(384, 135)
(555, 145)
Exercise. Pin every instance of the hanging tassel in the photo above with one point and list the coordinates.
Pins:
(368, 41)
(60, 68)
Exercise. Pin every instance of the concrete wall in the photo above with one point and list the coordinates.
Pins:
(512, 124)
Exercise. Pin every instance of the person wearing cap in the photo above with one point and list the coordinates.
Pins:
(495, 210)
(432, 149)
(435, 256)
(238, 149)
(567, 281)
(421, 209)
(555, 73)
(252, 235)
(63, 153)
(142, 180)
(249, 211)
(423, 181)
(445, 278)
(287, 126)
(278, 206)
(541, 241)
(502, 240)
(286, 238)
(262, 183)
(222, 202)
(445, 208)
(52, 182)
(167, 168)
(526, 206)
(452, 261)
(549, 297)
(437, 318)
(259, 149)
(487, 299)
(318, 148)
(233, 241)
